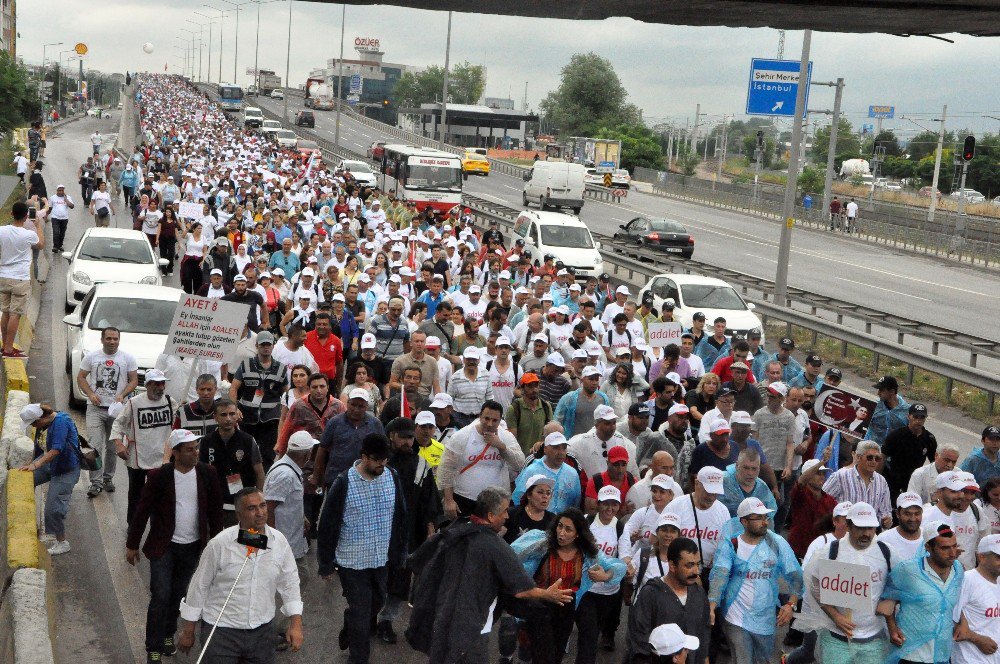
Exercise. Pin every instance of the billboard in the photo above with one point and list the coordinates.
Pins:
(596, 150)
(883, 112)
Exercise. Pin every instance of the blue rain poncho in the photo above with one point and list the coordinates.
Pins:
(532, 546)
(729, 572)
(925, 609)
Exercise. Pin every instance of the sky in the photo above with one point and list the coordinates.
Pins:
(667, 70)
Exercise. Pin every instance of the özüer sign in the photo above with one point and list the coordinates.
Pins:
(663, 334)
(368, 43)
(207, 328)
(844, 585)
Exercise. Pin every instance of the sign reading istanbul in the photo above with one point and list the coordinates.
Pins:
(366, 44)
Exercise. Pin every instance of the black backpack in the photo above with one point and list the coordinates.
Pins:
(882, 546)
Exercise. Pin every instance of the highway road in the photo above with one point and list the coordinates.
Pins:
(922, 288)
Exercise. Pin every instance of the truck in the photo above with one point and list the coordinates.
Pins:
(267, 81)
(852, 167)
(319, 94)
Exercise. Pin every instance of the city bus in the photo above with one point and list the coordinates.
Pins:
(230, 98)
(422, 175)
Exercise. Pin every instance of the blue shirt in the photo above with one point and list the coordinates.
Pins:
(885, 420)
(290, 263)
(790, 370)
(709, 353)
(367, 525)
(802, 380)
(979, 465)
(734, 493)
(565, 493)
(281, 233)
(62, 436)
(432, 303)
(342, 440)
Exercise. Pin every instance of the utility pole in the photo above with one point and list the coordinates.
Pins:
(832, 150)
(937, 167)
(670, 147)
(444, 86)
(288, 62)
(758, 162)
(721, 152)
(785, 243)
(694, 132)
(340, 74)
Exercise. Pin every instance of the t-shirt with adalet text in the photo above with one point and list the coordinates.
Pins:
(15, 252)
(967, 531)
(743, 604)
(980, 602)
(709, 524)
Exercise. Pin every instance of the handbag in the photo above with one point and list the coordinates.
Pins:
(90, 458)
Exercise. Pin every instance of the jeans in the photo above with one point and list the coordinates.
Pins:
(136, 480)
(99, 429)
(835, 651)
(168, 249)
(747, 647)
(364, 590)
(57, 500)
(58, 233)
(169, 576)
(806, 653)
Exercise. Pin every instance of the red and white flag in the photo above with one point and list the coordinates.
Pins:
(404, 404)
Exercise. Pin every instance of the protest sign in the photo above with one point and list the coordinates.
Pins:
(843, 411)
(207, 328)
(663, 334)
(845, 585)
(189, 210)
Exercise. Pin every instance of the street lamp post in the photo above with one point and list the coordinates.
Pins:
(340, 74)
(211, 20)
(288, 62)
(444, 86)
(201, 42)
(236, 49)
(222, 28)
(41, 77)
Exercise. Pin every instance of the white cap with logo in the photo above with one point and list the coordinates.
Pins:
(909, 499)
(711, 480)
(667, 640)
(752, 506)
(863, 515)
(609, 492)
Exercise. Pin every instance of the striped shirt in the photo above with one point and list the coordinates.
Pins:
(367, 526)
(846, 484)
(469, 395)
(389, 338)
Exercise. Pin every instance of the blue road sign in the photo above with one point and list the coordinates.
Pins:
(607, 164)
(867, 129)
(884, 112)
(773, 86)
(356, 84)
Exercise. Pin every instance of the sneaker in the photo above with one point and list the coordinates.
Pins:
(169, 649)
(153, 656)
(109, 486)
(15, 355)
(59, 547)
(94, 490)
(47, 539)
(386, 632)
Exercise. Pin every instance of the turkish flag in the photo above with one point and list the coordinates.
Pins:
(404, 404)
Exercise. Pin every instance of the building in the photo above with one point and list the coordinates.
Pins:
(8, 27)
(377, 78)
(472, 124)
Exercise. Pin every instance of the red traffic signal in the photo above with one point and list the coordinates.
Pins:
(969, 149)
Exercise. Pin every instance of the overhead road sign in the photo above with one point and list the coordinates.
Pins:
(883, 112)
(356, 84)
(773, 86)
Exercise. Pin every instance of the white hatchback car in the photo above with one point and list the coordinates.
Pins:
(360, 171)
(143, 315)
(286, 138)
(713, 297)
(110, 254)
(277, 94)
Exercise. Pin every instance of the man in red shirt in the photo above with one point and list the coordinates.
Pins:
(616, 475)
(327, 350)
(740, 353)
(809, 505)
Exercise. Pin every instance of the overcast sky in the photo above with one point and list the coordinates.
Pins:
(666, 69)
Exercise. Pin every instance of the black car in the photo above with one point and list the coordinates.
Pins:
(657, 233)
(305, 119)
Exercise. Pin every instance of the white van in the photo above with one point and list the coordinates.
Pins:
(482, 151)
(252, 117)
(562, 235)
(555, 183)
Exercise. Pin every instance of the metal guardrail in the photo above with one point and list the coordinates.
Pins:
(631, 264)
(605, 194)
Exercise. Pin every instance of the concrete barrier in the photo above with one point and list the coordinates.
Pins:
(24, 620)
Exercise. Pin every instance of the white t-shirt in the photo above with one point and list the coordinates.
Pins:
(290, 358)
(852, 209)
(606, 537)
(15, 252)
(503, 383)
(185, 507)
(900, 548)
(151, 221)
(980, 602)
(642, 521)
(108, 373)
(491, 470)
(710, 523)
(866, 622)
(696, 364)
(967, 531)
(743, 603)
(101, 201)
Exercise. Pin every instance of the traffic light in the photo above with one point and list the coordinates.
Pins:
(760, 138)
(385, 103)
(969, 149)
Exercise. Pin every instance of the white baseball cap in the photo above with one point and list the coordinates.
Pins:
(740, 417)
(579, 354)
(668, 640)
(863, 515)
(425, 417)
(719, 425)
(308, 272)
(29, 414)
(502, 340)
(952, 480)
(181, 436)
(664, 482)
(556, 359)
(668, 519)
(538, 479)
(603, 412)
(609, 492)
(622, 290)
(843, 509)
(932, 529)
(678, 409)
(539, 337)
(752, 506)
(909, 499)
(155, 376)
(590, 370)
(989, 544)
(442, 400)
(360, 393)
(812, 463)
(711, 480)
(555, 438)
(368, 341)
(301, 441)
(778, 388)
(471, 353)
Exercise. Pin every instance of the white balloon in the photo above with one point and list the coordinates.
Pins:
(147, 47)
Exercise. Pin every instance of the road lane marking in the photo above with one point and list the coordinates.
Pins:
(889, 290)
(763, 258)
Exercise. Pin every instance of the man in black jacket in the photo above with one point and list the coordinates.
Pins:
(660, 603)
(235, 456)
(423, 513)
(362, 531)
(175, 541)
(241, 294)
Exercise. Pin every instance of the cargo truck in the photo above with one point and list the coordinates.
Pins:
(319, 95)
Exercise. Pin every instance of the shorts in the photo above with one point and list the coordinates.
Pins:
(14, 295)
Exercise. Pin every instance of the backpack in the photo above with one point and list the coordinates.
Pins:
(599, 483)
(627, 334)
(546, 408)
(882, 546)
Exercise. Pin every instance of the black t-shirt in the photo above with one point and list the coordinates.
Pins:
(905, 452)
(377, 369)
(237, 455)
(704, 456)
(518, 523)
(659, 415)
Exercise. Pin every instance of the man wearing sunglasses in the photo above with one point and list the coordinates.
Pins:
(862, 483)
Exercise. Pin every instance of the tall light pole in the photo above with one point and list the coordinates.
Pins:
(41, 77)
(222, 28)
(937, 166)
(191, 61)
(785, 242)
(55, 100)
(201, 42)
(340, 74)
(288, 61)
(831, 153)
(444, 85)
(236, 50)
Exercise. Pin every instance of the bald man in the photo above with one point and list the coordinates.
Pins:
(661, 463)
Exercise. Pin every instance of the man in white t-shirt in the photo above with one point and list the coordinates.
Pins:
(956, 491)
(975, 613)
(292, 350)
(701, 514)
(107, 377)
(852, 215)
(16, 243)
(905, 540)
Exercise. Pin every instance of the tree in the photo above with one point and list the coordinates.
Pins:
(466, 83)
(925, 143)
(19, 95)
(888, 140)
(811, 180)
(848, 145)
(640, 146)
(689, 163)
(589, 96)
(750, 146)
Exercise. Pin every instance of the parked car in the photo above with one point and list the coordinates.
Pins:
(305, 119)
(893, 186)
(713, 297)
(658, 233)
(475, 163)
(376, 150)
(143, 315)
(277, 94)
(925, 192)
(109, 255)
(286, 138)
(971, 196)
